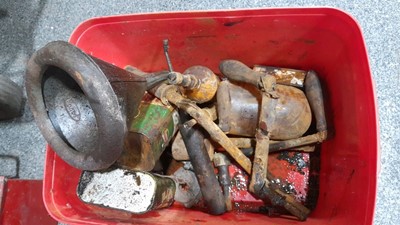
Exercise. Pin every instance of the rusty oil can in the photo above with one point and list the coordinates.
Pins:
(149, 134)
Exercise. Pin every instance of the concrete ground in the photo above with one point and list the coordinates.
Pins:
(28, 25)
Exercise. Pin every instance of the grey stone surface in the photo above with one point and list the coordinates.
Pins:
(27, 25)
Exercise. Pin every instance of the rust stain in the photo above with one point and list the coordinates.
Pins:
(306, 41)
(206, 21)
(350, 176)
(79, 77)
(303, 56)
(233, 23)
(138, 181)
(274, 42)
(201, 36)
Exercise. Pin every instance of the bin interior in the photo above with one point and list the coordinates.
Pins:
(322, 39)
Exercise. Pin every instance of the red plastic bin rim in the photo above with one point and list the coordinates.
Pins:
(87, 24)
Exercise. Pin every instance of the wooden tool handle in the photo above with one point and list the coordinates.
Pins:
(237, 71)
(313, 92)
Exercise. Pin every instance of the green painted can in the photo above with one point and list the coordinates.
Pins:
(149, 134)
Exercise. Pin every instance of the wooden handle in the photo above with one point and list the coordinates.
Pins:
(237, 71)
(314, 95)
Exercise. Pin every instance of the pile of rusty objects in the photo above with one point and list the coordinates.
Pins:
(241, 141)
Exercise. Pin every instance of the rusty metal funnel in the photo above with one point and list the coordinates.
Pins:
(82, 104)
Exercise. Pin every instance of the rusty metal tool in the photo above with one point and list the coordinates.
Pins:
(170, 94)
(284, 76)
(187, 81)
(222, 163)
(313, 91)
(311, 101)
(267, 119)
(278, 198)
(239, 108)
(197, 83)
(194, 141)
(301, 142)
(275, 146)
(259, 183)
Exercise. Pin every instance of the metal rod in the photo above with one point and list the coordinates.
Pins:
(222, 162)
(260, 161)
(301, 141)
(300, 144)
(166, 47)
(278, 197)
(194, 141)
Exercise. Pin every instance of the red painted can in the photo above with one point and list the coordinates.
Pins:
(326, 40)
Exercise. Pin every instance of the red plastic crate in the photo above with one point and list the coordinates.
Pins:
(21, 203)
(326, 40)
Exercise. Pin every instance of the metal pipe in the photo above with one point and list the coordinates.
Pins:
(298, 144)
(194, 141)
(301, 141)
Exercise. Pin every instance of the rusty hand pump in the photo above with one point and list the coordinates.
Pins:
(83, 105)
